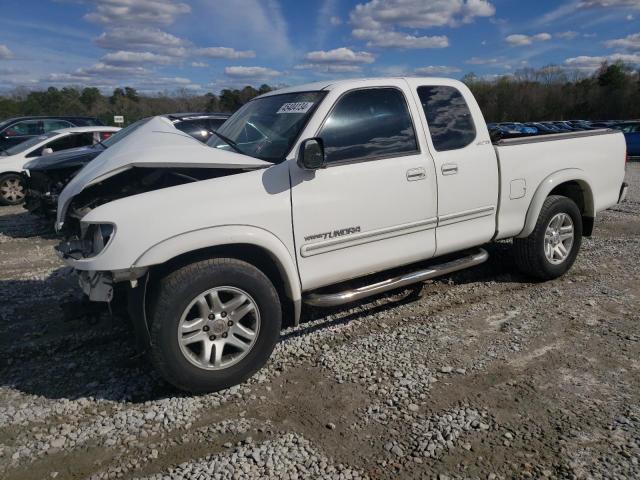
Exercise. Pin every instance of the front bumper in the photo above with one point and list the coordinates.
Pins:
(98, 286)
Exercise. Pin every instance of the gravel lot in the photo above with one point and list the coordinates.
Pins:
(482, 374)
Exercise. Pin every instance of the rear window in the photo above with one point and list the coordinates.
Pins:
(448, 117)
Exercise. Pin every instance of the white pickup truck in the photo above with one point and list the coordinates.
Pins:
(306, 188)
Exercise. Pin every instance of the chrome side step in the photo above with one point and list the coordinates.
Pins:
(347, 296)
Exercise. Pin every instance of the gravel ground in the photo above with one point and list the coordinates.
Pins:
(482, 374)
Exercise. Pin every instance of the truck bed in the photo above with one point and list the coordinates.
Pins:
(594, 157)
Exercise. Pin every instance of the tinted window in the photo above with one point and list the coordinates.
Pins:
(50, 125)
(196, 128)
(448, 116)
(28, 127)
(368, 123)
(215, 123)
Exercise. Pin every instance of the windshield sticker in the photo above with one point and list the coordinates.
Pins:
(296, 107)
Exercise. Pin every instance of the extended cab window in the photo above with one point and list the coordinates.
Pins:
(369, 123)
(448, 117)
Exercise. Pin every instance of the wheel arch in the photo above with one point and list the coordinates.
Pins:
(571, 183)
(250, 244)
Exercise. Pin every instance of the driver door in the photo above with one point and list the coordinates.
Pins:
(374, 205)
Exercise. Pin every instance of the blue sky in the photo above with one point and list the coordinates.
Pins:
(207, 45)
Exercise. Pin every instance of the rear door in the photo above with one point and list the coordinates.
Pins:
(374, 206)
(465, 161)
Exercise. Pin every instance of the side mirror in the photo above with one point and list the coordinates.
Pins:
(47, 151)
(311, 154)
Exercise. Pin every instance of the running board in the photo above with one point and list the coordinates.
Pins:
(347, 296)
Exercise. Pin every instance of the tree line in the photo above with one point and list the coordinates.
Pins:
(548, 93)
(553, 93)
(125, 101)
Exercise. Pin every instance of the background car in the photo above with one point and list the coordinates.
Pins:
(631, 131)
(198, 125)
(47, 176)
(12, 160)
(16, 130)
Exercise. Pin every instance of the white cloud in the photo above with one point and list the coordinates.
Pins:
(520, 40)
(568, 35)
(145, 12)
(484, 61)
(224, 52)
(585, 62)
(393, 39)
(339, 56)
(142, 38)
(12, 71)
(102, 69)
(338, 60)
(630, 42)
(199, 65)
(251, 72)
(437, 70)
(67, 78)
(327, 68)
(5, 53)
(377, 14)
(335, 21)
(378, 21)
(122, 57)
(610, 3)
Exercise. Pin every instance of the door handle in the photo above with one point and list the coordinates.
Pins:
(449, 169)
(416, 174)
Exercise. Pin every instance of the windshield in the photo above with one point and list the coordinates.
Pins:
(27, 144)
(267, 128)
(120, 134)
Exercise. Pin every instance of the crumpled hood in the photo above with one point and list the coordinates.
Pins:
(158, 144)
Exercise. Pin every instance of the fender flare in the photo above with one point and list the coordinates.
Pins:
(544, 189)
(225, 235)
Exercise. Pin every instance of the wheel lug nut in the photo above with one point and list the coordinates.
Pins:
(224, 335)
(230, 323)
(212, 338)
(211, 316)
(223, 314)
(205, 328)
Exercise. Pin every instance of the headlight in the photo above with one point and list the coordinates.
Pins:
(96, 236)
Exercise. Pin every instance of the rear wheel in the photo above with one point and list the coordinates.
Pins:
(12, 189)
(551, 249)
(214, 323)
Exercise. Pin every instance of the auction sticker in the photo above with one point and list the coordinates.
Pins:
(296, 107)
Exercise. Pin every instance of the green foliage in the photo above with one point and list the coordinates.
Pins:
(553, 93)
(123, 101)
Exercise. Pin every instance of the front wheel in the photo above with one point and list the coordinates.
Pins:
(550, 250)
(214, 323)
(12, 189)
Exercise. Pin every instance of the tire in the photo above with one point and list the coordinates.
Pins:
(529, 252)
(221, 282)
(12, 189)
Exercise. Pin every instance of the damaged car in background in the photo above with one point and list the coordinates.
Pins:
(46, 177)
(322, 194)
